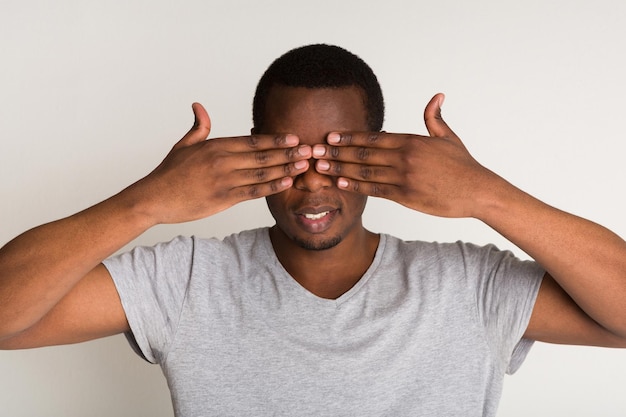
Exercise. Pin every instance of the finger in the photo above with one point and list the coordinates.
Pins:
(244, 177)
(200, 129)
(256, 142)
(373, 189)
(435, 124)
(356, 154)
(367, 139)
(359, 172)
(267, 158)
(250, 192)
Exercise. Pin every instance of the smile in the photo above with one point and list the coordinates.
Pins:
(315, 216)
(316, 220)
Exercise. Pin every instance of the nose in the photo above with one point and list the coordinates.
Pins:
(311, 180)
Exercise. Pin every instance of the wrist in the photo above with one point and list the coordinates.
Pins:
(135, 206)
(495, 200)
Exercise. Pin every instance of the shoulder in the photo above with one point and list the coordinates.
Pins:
(439, 251)
(238, 249)
(454, 258)
(186, 249)
(247, 238)
(243, 243)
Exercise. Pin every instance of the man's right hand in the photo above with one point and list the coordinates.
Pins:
(201, 177)
(53, 287)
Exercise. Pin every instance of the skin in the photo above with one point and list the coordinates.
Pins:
(54, 290)
(581, 300)
(326, 255)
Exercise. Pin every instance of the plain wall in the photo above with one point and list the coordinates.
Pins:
(94, 94)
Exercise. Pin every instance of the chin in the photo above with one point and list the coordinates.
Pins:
(316, 244)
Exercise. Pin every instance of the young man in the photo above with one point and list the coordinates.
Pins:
(317, 315)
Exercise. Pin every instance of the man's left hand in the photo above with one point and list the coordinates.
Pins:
(433, 174)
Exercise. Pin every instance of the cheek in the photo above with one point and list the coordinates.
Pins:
(271, 203)
(357, 203)
(276, 205)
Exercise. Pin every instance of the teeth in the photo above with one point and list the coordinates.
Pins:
(315, 216)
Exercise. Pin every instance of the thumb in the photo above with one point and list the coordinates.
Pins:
(432, 117)
(200, 129)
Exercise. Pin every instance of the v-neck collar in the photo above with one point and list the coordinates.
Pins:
(289, 284)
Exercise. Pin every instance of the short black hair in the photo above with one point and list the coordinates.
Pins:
(321, 66)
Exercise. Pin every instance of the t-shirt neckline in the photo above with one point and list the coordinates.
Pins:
(297, 289)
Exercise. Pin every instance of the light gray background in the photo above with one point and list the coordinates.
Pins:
(94, 94)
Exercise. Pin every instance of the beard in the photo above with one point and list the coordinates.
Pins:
(311, 244)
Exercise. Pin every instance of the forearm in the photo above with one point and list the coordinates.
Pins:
(39, 267)
(587, 260)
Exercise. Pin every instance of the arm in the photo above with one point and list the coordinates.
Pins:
(54, 290)
(586, 266)
(582, 301)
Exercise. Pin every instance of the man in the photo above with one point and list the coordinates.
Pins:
(317, 315)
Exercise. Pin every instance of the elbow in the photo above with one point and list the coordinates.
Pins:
(7, 339)
(620, 342)
(10, 328)
(621, 337)
(616, 336)
(618, 325)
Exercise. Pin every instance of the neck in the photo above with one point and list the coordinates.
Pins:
(331, 272)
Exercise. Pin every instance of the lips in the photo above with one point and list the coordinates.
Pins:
(316, 219)
(316, 216)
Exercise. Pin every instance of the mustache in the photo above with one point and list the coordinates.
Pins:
(319, 201)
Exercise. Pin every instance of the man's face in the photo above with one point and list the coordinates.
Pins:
(314, 213)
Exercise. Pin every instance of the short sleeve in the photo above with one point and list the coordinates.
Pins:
(506, 290)
(152, 283)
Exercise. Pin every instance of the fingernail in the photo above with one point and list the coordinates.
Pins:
(342, 183)
(286, 182)
(323, 165)
(333, 138)
(300, 164)
(319, 150)
(291, 140)
(304, 150)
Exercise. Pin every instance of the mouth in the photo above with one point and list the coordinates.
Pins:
(315, 216)
(316, 219)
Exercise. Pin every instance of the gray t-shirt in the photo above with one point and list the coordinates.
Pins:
(429, 330)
